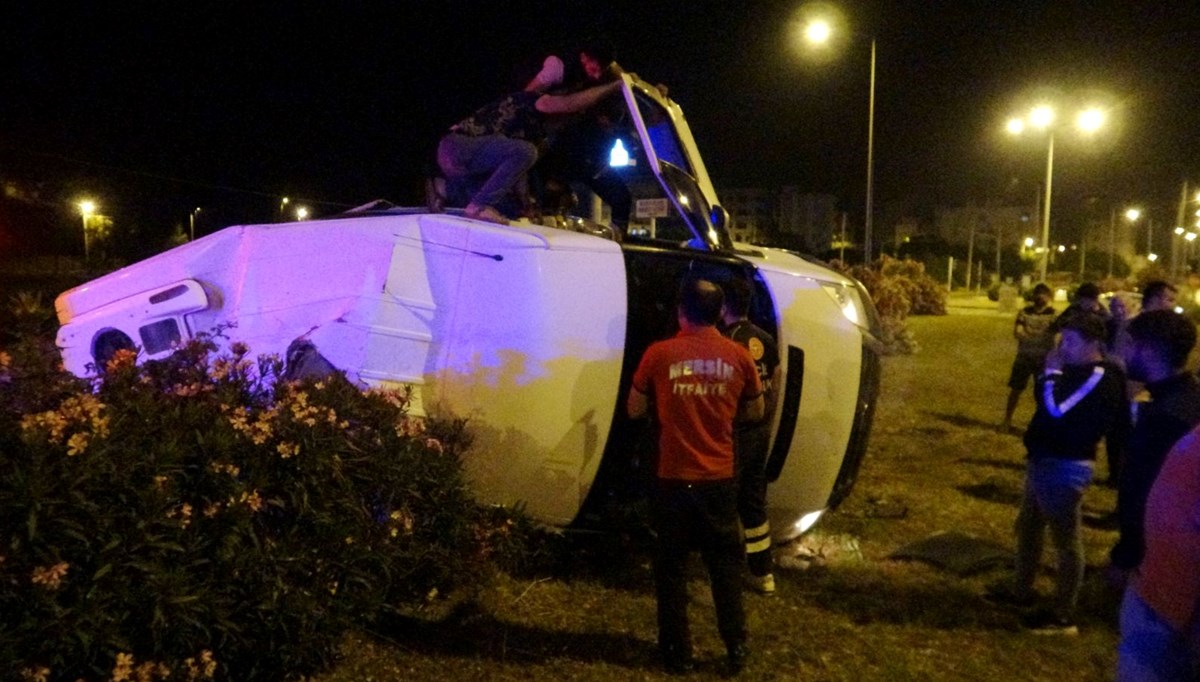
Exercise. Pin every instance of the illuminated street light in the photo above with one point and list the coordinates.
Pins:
(1090, 120)
(86, 209)
(1029, 242)
(1133, 214)
(819, 32)
(283, 207)
(192, 224)
(301, 213)
(1042, 117)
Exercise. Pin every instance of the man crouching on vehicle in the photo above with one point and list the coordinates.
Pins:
(699, 382)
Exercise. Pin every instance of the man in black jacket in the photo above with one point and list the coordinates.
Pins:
(1080, 399)
(1157, 350)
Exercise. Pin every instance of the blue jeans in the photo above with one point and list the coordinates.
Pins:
(504, 162)
(1053, 498)
(1150, 649)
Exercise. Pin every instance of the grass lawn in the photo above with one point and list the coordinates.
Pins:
(934, 452)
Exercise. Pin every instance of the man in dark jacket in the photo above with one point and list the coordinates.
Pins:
(1155, 354)
(1080, 399)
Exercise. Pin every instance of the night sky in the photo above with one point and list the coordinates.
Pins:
(155, 108)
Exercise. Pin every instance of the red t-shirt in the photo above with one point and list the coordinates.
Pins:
(697, 379)
(1169, 576)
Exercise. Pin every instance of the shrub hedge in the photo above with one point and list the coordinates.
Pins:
(899, 288)
(201, 518)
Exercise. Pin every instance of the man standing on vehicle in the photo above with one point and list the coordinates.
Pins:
(698, 383)
(1034, 341)
(751, 440)
(501, 141)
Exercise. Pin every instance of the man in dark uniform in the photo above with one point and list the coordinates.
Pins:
(698, 383)
(751, 440)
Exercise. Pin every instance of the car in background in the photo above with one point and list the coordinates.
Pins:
(531, 330)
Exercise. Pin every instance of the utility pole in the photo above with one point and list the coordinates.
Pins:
(970, 252)
(1180, 216)
(1112, 239)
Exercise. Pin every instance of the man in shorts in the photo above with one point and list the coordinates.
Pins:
(1034, 340)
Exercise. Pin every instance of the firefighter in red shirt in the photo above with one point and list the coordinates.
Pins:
(698, 383)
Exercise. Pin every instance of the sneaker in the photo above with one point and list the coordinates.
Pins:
(762, 584)
(1004, 594)
(1048, 623)
(736, 661)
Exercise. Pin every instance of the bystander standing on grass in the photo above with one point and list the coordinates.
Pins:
(1081, 398)
(1159, 342)
(1034, 341)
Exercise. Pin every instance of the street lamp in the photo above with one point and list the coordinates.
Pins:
(283, 206)
(86, 209)
(818, 32)
(192, 224)
(1042, 117)
(301, 213)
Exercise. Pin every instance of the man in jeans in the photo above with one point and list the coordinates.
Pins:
(1080, 399)
(699, 383)
(501, 141)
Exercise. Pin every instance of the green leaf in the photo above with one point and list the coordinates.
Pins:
(102, 571)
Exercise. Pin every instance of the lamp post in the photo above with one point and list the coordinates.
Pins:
(1042, 117)
(86, 209)
(192, 224)
(818, 32)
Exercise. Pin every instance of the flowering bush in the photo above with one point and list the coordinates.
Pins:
(200, 518)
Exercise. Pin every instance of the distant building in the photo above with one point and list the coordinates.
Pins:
(751, 212)
(787, 217)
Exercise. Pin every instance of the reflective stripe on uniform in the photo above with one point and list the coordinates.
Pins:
(757, 531)
(758, 545)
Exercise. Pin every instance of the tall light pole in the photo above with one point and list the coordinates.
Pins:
(818, 32)
(870, 163)
(86, 209)
(1042, 117)
(192, 224)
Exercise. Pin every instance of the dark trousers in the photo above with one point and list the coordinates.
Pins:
(697, 516)
(750, 450)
